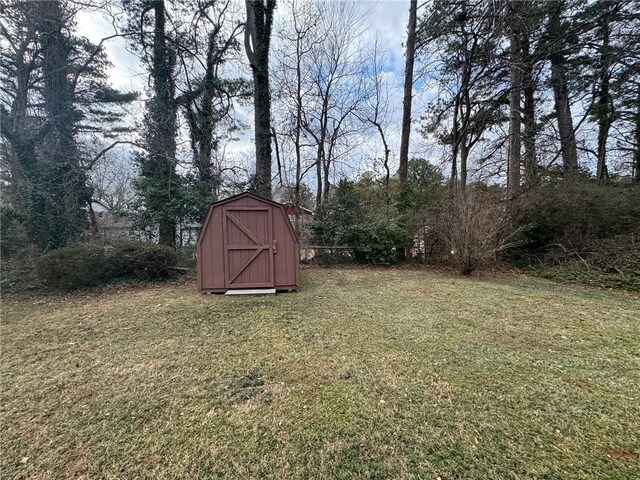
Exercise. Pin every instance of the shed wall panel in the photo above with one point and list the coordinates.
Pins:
(211, 251)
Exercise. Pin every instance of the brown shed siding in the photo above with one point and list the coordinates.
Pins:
(247, 242)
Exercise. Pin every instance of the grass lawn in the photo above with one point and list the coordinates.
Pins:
(362, 374)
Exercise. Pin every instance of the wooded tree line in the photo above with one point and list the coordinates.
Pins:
(55, 93)
(61, 119)
(513, 93)
(534, 88)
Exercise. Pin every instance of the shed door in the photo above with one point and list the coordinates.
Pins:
(248, 247)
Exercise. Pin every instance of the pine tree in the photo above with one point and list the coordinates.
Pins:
(60, 91)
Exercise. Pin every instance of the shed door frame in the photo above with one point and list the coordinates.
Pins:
(256, 246)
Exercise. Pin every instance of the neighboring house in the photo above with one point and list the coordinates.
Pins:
(303, 228)
(111, 225)
(305, 214)
(101, 213)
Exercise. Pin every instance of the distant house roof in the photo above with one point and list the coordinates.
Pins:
(98, 207)
(290, 207)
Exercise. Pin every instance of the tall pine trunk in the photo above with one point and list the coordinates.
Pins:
(568, 146)
(408, 91)
(604, 102)
(636, 153)
(515, 122)
(529, 116)
(465, 116)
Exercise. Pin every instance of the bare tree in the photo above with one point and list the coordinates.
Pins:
(375, 109)
(297, 37)
(335, 68)
(112, 178)
(475, 227)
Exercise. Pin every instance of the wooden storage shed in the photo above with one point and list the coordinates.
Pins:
(247, 241)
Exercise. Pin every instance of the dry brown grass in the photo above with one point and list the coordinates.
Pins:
(363, 374)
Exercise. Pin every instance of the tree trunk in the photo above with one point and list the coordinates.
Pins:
(297, 146)
(326, 167)
(529, 117)
(515, 68)
(408, 92)
(258, 30)
(319, 176)
(455, 143)
(205, 131)
(385, 159)
(636, 153)
(167, 233)
(163, 126)
(464, 158)
(568, 147)
(321, 173)
(604, 113)
(262, 104)
(65, 183)
(276, 145)
(465, 114)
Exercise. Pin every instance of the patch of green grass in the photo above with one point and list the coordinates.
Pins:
(362, 374)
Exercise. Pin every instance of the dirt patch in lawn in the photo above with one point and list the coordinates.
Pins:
(621, 454)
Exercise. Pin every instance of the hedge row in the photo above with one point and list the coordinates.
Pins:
(90, 264)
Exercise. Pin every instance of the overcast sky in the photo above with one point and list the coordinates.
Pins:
(387, 18)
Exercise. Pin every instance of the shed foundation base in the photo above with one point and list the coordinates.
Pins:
(259, 291)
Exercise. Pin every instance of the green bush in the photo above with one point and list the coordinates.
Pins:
(576, 215)
(584, 232)
(144, 261)
(73, 267)
(342, 209)
(90, 264)
(375, 243)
